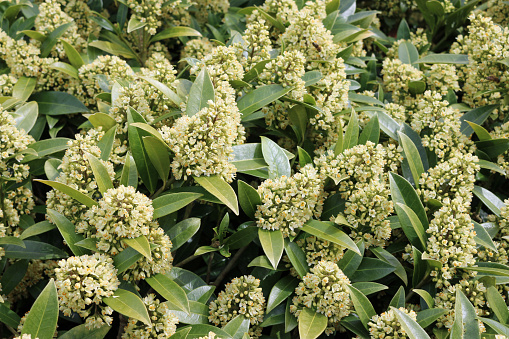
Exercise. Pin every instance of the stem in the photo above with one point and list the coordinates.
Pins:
(121, 326)
(189, 209)
(161, 190)
(187, 260)
(209, 267)
(12, 330)
(419, 285)
(230, 265)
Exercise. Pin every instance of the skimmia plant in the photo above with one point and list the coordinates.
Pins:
(254, 169)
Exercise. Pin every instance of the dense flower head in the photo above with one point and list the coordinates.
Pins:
(7, 82)
(256, 45)
(132, 96)
(450, 240)
(164, 323)
(386, 325)
(148, 12)
(442, 78)
(454, 177)
(206, 6)
(324, 290)
(202, 143)
(284, 10)
(317, 250)
(396, 76)
(222, 65)
(197, 48)
(82, 283)
(397, 112)
(288, 202)
(417, 38)
(498, 11)
(241, 296)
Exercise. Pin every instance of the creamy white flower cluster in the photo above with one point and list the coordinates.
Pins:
(317, 250)
(50, 17)
(288, 202)
(202, 143)
(324, 290)
(82, 283)
(363, 183)
(222, 65)
(241, 296)
(450, 240)
(396, 76)
(503, 159)
(257, 45)
(164, 323)
(206, 6)
(197, 48)
(454, 177)
(418, 38)
(7, 82)
(148, 12)
(486, 43)
(75, 171)
(80, 12)
(498, 11)
(386, 325)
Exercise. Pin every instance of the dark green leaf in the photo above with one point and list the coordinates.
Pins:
(444, 58)
(372, 269)
(41, 321)
(352, 132)
(175, 32)
(411, 225)
(276, 158)
(328, 231)
(371, 131)
(362, 306)
(297, 258)
(201, 92)
(129, 304)
(411, 327)
(58, 103)
(68, 232)
(34, 250)
(260, 97)
(272, 244)
(183, 231)
(399, 298)
(171, 291)
(221, 190)
(280, 291)
(489, 199)
(248, 198)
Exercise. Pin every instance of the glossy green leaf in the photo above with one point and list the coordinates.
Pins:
(352, 132)
(74, 57)
(444, 58)
(412, 157)
(183, 231)
(125, 259)
(129, 176)
(12, 275)
(299, 119)
(103, 120)
(482, 133)
(497, 304)
(34, 250)
(407, 53)
(491, 166)
(353, 324)
(175, 32)
(362, 306)
(304, 157)
(41, 322)
(398, 300)
(371, 131)
(102, 177)
(372, 269)
(199, 330)
(427, 317)
(495, 325)
(483, 238)
(249, 198)
(411, 225)
(465, 323)
(65, 68)
(383, 255)
(106, 143)
(140, 244)
(201, 92)
(135, 24)
(113, 48)
(351, 260)
(58, 103)
(88, 243)
(272, 244)
(215, 185)
(297, 258)
(248, 157)
(260, 97)
(50, 146)
(167, 92)
(411, 327)
(68, 232)
(241, 238)
(276, 158)
(494, 147)
(12, 241)
(280, 291)
(9, 317)
(238, 326)
(477, 115)
(311, 324)
(367, 287)
(198, 313)
(128, 304)
(170, 290)
(158, 154)
(403, 192)
(39, 228)
(489, 199)
(23, 88)
(26, 116)
(328, 231)
(169, 203)
(81, 331)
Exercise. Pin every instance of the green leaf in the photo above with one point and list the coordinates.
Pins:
(351, 260)
(495, 325)
(276, 158)
(429, 316)
(158, 154)
(390, 259)
(58, 103)
(41, 321)
(248, 157)
(494, 147)
(248, 198)
(312, 77)
(497, 304)
(399, 298)
(411, 225)
(140, 244)
(81, 331)
(328, 231)
(353, 324)
(221, 190)
(362, 306)
(103, 120)
(489, 199)
(50, 146)
(101, 174)
(403, 192)
(113, 48)
(491, 166)
(403, 31)
(367, 287)
(39, 228)
(483, 238)
(12, 241)
(304, 157)
(170, 290)
(204, 250)
(297, 258)
(135, 24)
(311, 324)
(198, 314)
(261, 261)
(272, 244)
(482, 133)
(416, 87)
(52, 39)
(260, 97)
(200, 330)
(143, 165)
(407, 53)
(352, 132)
(26, 116)
(183, 231)
(465, 323)
(372, 269)
(241, 238)
(106, 143)
(169, 203)
(68, 231)
(74, 57)
(128, 304)
(34, 35)
(364, 99)
(13, 275)
(167, 92)
(428, 299)
(201, 92)
(371, 131)
(444, 58)
(129, 176)
(51, 168)
(9, 317)
(23, 88)
(88, 243)
(34, 250)
(477, 115)
(125, 259)
(65, 68)
(238, 326)
(299, 119)
(412, 157)
(411, 327)
(175, 32)
(280, 291)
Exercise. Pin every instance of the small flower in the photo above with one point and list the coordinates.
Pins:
(387, 325)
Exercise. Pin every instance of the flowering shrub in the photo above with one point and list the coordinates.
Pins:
(254, 169)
